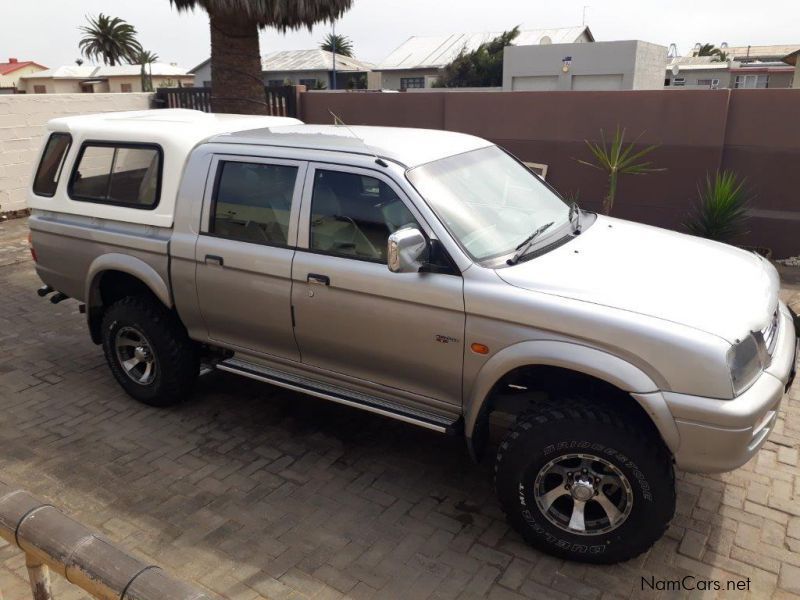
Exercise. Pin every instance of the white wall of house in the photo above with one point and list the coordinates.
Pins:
(625, 65)
(12, 79)
(692, 78)
(393, 79)
(22, 126)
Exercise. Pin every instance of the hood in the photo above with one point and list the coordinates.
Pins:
(707, 285)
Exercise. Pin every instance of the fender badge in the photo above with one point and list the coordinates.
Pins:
(445, 339)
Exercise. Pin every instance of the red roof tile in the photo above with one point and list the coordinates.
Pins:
(9, 67)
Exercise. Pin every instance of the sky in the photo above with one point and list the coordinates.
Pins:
(46, 31)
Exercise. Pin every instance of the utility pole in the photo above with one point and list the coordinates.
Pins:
(333, 38)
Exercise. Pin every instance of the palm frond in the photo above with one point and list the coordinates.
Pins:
(281, 14)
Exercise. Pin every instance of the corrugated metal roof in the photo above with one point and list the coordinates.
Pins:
(311, 60)
(437, 51)
(104, 71)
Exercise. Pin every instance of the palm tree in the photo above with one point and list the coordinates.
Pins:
(236, 82)
(145, 57)
(711, 50)
(110, 39)
(340, 44)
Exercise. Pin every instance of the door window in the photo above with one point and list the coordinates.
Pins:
(253, 202)
(353, 215)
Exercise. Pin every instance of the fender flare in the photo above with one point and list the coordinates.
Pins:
(575, 357)
(132, 266)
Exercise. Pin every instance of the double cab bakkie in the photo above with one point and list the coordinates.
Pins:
(426, 276)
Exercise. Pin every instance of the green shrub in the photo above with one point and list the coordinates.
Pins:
(721, 211)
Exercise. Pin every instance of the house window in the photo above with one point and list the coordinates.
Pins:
(49, 171)
(751, 81)
(40, 89)
(121, 174)
(126, 87)
(407, 83)
(679, 82)
(666, 82)
(274, 82)
(207, 84)
(704, 82)
(309, 83)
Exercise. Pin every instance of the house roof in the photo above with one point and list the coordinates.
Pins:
(10, 67)
(105, 71)
(791, 59)
(311, 60)
(305, 60)
(756, 52)
(436, 51)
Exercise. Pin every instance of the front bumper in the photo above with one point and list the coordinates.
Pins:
(721, 435)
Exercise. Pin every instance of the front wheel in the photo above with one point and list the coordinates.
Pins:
(149, 351)
(585, 483)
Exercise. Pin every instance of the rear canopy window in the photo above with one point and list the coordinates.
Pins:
(49, 171)
(126, 175)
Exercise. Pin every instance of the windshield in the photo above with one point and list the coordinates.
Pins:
(489, 202)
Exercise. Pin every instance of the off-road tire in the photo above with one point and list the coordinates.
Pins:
(177, 356)
(574, 425)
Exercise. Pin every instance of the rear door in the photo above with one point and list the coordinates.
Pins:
(244, 254)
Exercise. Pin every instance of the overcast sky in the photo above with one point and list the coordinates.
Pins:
(47, 30)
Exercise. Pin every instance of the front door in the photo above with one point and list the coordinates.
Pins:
(355, 317)
(244, 254)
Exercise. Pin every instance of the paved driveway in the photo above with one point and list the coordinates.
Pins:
(257, 492)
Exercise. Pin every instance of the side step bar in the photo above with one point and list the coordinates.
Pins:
(342, 396)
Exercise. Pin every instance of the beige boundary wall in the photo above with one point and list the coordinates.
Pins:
(22, 121)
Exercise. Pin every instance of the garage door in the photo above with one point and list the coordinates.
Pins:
(536, 83)
(597, 82)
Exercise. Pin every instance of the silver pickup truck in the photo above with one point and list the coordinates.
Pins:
(425, 276)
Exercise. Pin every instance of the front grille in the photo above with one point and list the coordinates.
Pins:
(770, 334)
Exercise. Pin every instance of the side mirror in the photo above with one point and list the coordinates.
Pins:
(407, 250)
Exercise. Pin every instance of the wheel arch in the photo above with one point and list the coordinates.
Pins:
(113, 276)
(564, 359)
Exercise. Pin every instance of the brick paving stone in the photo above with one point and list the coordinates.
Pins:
(256, 492)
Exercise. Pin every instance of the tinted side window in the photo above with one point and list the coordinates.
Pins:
(353, 215)
(49, 171)
(253, 202)
(118, 174)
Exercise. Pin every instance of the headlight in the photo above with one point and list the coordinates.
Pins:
(745, 361)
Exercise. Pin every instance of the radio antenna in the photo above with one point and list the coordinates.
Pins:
(338, 121)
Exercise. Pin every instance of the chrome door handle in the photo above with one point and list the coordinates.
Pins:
(213, 258)
(318, 279)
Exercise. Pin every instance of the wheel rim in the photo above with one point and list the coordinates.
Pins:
(135, 355)
(583, 494)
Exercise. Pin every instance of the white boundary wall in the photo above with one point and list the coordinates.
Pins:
(22, 121)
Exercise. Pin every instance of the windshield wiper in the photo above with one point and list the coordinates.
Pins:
(527, 243)
(575, 213)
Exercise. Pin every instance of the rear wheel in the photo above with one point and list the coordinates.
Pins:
(149, 351)
(585, 483)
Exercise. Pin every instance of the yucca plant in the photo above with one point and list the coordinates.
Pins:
(617, 159)
(721, 212)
